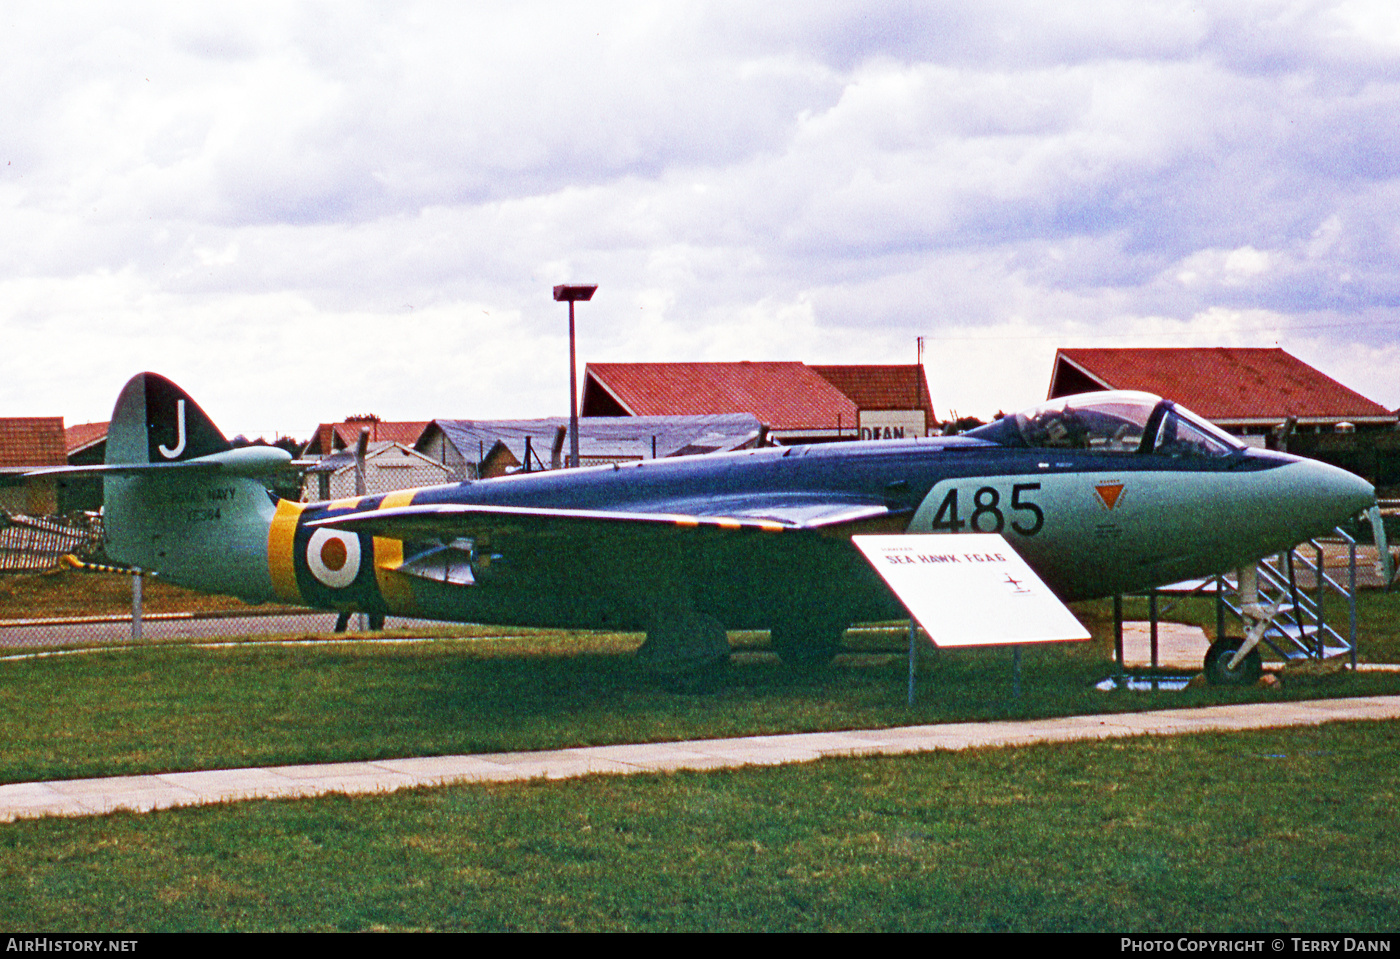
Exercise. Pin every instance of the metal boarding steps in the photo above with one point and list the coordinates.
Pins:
(1300, 629)
(1296, 584)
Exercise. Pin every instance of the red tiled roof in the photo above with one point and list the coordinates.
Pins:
(347, 434)
(881, 387)
(1221, 383)
(785, 396)
(83, 434)
(32, 441)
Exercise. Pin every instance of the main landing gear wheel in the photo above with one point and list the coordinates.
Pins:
(686, 653)
(1217, 668)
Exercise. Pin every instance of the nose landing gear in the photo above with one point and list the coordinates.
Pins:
(1220, 671)
(1236, 662)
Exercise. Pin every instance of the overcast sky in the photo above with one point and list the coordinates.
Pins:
(304, 211)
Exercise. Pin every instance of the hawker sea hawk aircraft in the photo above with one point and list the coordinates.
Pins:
(1100, 493)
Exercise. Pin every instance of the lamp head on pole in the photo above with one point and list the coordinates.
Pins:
(564, 293)
(571, 294)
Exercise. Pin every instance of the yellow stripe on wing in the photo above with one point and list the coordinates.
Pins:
(388, 557)
(728, 523)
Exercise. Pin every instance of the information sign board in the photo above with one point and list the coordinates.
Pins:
(970, 589)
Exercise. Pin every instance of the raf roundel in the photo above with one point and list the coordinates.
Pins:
(333, 557)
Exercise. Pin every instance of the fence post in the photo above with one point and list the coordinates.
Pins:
(1351, 600)
(913, 657)
(136, 604)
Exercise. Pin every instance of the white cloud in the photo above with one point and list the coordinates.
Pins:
(313, 210)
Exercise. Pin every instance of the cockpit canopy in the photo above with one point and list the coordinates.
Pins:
(1116, 421)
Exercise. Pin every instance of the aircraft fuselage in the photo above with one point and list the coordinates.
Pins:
(1101, 493)
(1090, 523)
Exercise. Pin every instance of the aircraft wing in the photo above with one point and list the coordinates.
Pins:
(759, 555)
(451, 520)
(630, 555)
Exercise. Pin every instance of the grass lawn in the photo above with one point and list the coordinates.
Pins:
(1274, 830)
(1288, 830)
(175, 706)
(65, 592)
(171, 706)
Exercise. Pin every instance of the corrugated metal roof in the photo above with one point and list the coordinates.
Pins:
(377, 454)
(785, 395)
(1221, 383)
(32, 441)
(600, 437)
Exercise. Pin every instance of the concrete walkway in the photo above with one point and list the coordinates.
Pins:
(87, 797)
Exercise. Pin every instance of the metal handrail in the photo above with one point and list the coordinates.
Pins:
(1306, 613)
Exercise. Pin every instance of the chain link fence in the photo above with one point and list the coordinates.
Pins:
(57, 589)
(40, 632)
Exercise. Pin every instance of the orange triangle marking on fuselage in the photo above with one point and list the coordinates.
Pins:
(1109, 493)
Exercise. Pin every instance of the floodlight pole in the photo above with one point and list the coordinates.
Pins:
(573, 394)
(571, 294)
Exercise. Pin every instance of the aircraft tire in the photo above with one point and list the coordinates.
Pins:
(1217, 669)
(806, 650)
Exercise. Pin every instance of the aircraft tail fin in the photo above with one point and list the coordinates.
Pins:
(157, 422)
(179, 500)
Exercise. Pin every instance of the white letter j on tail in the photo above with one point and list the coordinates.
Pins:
(179, 433)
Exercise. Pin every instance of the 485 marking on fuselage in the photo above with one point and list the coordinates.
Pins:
(989, 514)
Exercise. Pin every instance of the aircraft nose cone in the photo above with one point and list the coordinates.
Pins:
(1333, 495)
